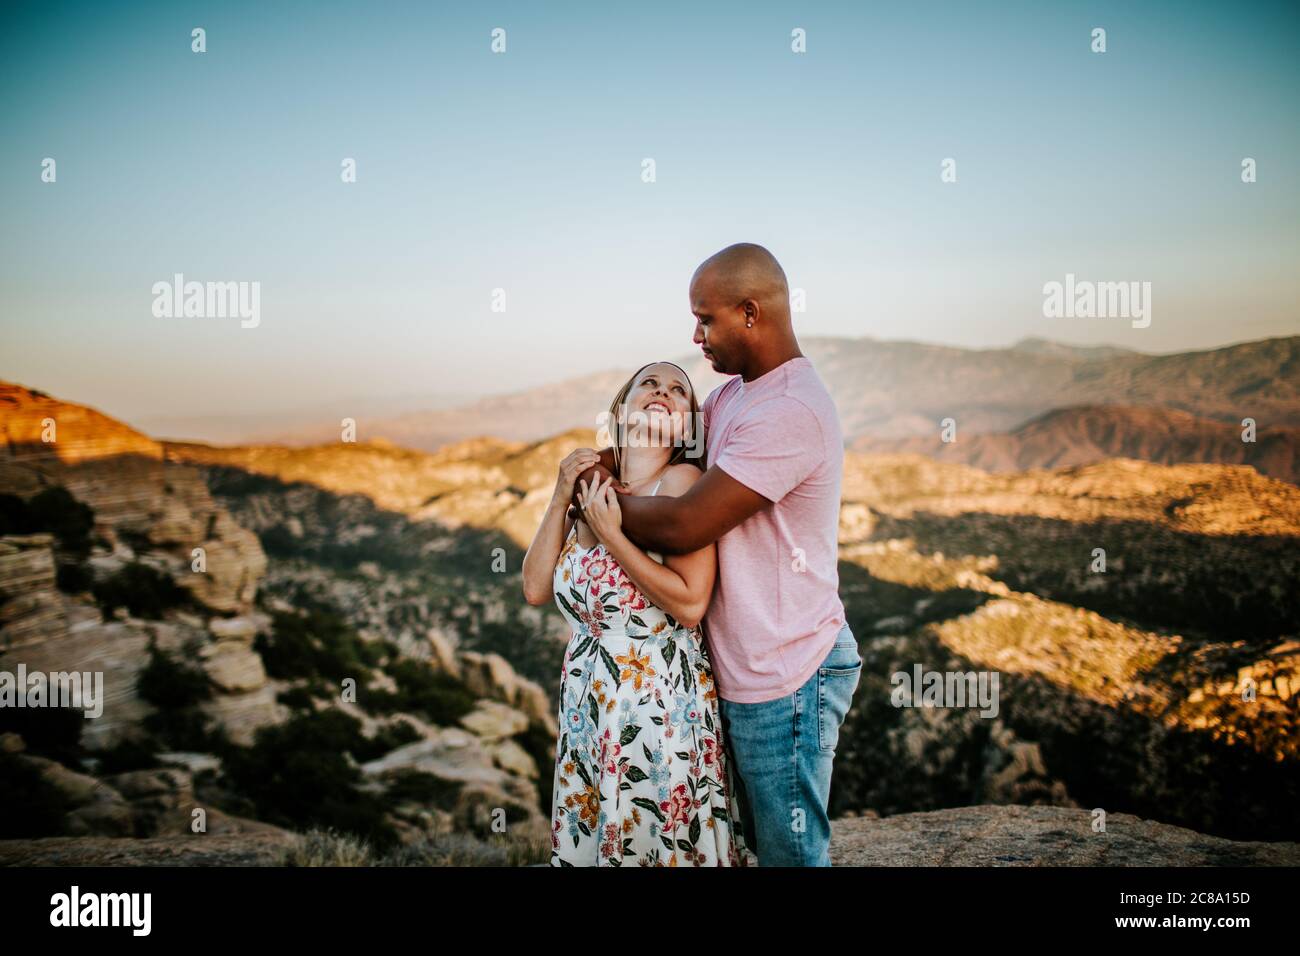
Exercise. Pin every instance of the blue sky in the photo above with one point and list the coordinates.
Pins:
(522, 171)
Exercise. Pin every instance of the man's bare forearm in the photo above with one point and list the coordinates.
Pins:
(656, 523)
(681, 525)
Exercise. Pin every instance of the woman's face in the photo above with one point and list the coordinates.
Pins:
(659, 405)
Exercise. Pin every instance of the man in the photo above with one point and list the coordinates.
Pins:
(785, 660)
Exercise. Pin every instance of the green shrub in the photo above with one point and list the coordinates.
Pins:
(416, 786)
(53, 510)
(176, 690)
(541, 746)
(388, 738)
(437, 696)
(324, 847)
(317, 644)
(141, 589)
(74, 578)
(186, 729)
(134, 753)
(29, 806)
(53, 732)
(71, 521)
(15, 516)
(296, 698)
(298, 775)
(169, 684)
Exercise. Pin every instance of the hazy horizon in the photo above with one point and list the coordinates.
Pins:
(278, 424)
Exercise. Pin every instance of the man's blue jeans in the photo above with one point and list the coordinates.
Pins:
(782, 751)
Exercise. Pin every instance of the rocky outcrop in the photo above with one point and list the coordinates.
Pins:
(964, 836)
(153, 511)
(492, 676)
(449, 753)
(492, 720)
(35, 426)
(263, 848)
(30, 607)
(94, 807)
(1140, 618)
(147, 511)
(147, 507)
(489, 777)
(1037, 836)
(141, 803)
(63, 633)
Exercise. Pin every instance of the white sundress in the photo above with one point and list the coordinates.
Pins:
(641, 775)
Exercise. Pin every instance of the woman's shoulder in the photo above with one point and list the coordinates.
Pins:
(679, 477)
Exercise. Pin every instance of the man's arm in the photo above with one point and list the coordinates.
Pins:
(710, 508)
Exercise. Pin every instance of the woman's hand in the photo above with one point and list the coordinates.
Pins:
(600, 510)
(574, 464)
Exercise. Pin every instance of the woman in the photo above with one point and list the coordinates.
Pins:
(640, 770)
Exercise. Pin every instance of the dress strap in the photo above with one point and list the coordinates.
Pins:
(655, 489)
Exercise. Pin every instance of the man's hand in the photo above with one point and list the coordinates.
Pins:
(596, 473)
(574, 464)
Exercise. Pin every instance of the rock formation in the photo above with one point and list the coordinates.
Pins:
(1037, 836)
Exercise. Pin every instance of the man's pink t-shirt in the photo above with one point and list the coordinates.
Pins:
(776, 607)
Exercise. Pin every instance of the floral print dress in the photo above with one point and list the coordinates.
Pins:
(641, 776)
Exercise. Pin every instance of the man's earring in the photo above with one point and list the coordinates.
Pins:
(749, 324)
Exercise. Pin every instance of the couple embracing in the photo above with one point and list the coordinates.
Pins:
(711, 664)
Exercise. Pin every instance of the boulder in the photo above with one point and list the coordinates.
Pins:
(95, 807)
(442, 650)
(155, 796)
(1038, 836)
(31, 610)
(493, 720)
(241, 715)
(233, 666)
(193, 762)
(452, 754)
(243, 628)
(512, 758)
(490, 675)
(120, 650)
(235, 565)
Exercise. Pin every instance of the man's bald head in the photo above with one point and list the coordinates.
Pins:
(741, 303)
(747, 271)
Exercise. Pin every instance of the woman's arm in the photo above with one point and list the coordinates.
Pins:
(683, 585)
(539, 562)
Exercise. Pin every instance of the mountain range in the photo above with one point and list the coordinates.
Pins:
(1031, 405)
(1088, 433)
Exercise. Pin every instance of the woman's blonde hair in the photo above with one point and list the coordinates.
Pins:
(618, 424)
